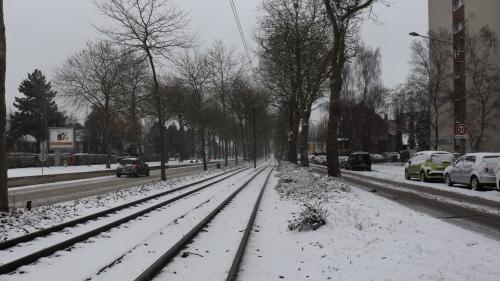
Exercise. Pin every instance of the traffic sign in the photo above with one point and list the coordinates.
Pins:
(461, 131)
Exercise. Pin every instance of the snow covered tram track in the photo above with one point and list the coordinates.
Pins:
(13, 245)
(210, 231)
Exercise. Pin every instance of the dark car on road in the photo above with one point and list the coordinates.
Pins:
(359, 161)
(132, 167)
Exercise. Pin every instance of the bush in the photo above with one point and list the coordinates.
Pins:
(312, 217)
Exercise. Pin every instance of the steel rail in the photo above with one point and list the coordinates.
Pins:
(31, 258)
(171, 253)
(235, 266)
(47, 231)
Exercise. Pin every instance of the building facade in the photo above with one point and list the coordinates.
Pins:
(462, 19)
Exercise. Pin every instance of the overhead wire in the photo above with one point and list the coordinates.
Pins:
(240, 30)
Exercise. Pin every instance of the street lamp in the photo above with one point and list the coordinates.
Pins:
(459, 104)
(414, 34)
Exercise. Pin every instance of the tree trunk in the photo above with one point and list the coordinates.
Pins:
(243, 147)
(107, 134)
(436, 132)
(4, 200)
(304, 138)
(292, 144)
(226, 149)
(136, 129)
(335, 89)
(160, 116)
(203, 155)
(183, 145)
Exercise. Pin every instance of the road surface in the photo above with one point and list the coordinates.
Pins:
(46, 194)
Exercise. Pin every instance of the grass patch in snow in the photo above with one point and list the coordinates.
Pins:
(311, 192)
(311, 217)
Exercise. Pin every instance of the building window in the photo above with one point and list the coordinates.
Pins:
(457, 4)
(459, 26)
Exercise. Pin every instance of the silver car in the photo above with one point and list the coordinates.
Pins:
(473, 169)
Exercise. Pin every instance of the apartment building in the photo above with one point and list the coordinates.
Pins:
(463, 19)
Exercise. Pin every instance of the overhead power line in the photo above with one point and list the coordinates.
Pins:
(240, 30)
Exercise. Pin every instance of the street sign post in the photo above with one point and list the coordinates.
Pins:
(461, 131)
(43, 153)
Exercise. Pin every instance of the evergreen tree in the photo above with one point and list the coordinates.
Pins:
(37, 110)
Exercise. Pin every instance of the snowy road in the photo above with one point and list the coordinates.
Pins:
(469, 212)
(124, 251)
(46, 194)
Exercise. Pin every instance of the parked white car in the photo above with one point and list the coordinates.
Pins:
(473, 169)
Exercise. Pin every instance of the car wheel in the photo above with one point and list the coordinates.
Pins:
(447, 179)
(474, 183)
(407, 175)
(118, 175)
(136, 174)
(423, 177)
(147, 174)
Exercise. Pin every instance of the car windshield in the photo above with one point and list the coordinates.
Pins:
(362, 157)
(440, 158)
(129, 162)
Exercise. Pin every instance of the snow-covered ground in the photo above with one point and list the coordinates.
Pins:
(366, 237)
(20, 221)
(130, 248)
(395, 172)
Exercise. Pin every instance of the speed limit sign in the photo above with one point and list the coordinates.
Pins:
(460, 131)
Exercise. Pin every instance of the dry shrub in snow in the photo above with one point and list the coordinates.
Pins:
(312, 217)
(301, 185)
(311, 191)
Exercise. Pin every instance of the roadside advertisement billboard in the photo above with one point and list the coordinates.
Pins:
(61, 138)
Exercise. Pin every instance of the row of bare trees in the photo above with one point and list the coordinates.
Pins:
(304, 47)
(294, 39)
(148, 68)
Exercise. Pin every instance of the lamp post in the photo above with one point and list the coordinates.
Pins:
(459, 105)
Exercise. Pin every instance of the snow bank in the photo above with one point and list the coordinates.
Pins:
(367, 237)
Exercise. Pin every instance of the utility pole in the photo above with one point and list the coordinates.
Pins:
(4, 200)
(254, 141)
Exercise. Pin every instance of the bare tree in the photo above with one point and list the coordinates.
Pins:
(152, 28)
(222, 67)
(4, 200)
(194, 72)
(94, 76)
(370, 93)
(481, 49)
(344, 16)
(295, 40)
(431, 71)
(132, 100)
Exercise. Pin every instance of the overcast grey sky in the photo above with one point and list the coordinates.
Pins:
(42, 34)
